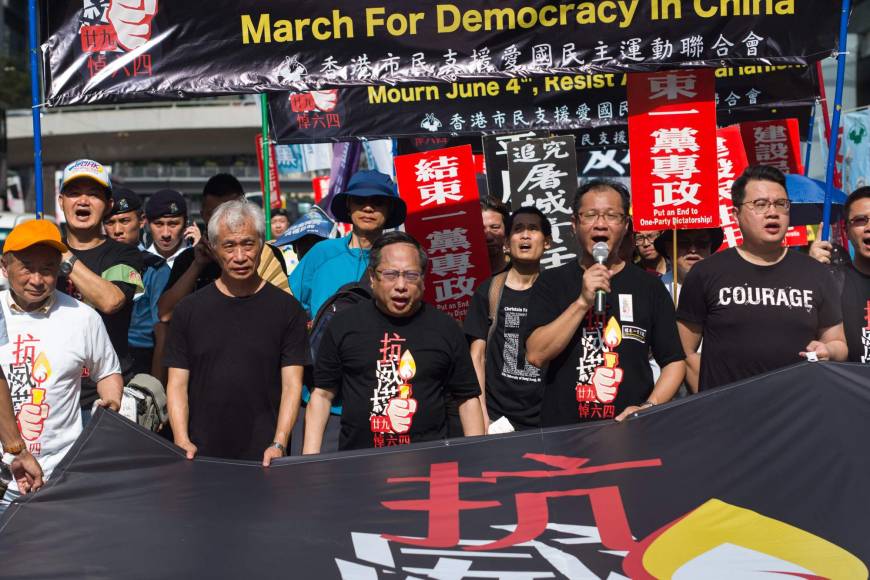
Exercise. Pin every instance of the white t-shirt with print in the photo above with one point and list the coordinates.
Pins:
(43, 362)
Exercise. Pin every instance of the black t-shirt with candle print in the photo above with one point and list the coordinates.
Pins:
(640, 315)
(370, 359)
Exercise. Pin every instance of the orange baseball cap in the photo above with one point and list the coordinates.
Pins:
(34, 232)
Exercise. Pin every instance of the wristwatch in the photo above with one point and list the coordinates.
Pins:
(277, 445)
(67, 265)
(11, 452)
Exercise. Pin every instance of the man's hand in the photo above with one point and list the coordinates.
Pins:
(818, 347)
(271, 453)
(27, 472)
(31, 420)
(202, 255)
(401, 413)
(132, 21)
(595, 278)
(821, 251)
(193, 234)
(188, 447)
(107, 404)
(606, 382)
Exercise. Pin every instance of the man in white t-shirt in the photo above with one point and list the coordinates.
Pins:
(52, 337)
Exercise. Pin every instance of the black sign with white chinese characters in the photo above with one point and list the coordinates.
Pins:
(495, 153)
(543, 173)
(592, 106)
(787, 497)
(101, 51)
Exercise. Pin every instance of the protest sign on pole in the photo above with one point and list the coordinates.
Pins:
(672, 129)
(274, 183)
(495, 151)
(731, 157)
(440, 190)
(543, 173)
(856, 150)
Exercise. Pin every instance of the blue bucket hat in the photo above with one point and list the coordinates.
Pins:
(370, 184)
(313, 223)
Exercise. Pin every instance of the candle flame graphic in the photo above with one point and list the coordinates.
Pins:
(407, 366)
(612, 334)
(41, 369)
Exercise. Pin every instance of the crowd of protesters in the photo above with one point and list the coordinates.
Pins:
(326, 344)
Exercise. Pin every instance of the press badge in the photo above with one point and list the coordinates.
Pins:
(626, 308)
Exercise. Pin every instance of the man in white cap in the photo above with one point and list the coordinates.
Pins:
(99, 271)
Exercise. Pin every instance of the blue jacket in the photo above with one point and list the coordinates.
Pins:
(141, 332)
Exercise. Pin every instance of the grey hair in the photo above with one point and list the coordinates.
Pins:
(236, 214)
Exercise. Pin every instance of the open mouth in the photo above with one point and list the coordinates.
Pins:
(597, 239)
(525, 247)
(82, 213)
(772, 228)
(399, 303)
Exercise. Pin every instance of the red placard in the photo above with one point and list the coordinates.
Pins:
(321, 187)
(274, 184)
(440, 190)
(672, 132)
(731, 157)
(777, 143)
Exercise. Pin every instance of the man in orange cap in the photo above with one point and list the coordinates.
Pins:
(52, 336)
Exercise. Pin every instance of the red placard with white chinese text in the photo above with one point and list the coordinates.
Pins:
(731, 157)
(274, 183)
(672, 136)
(440, 190)
(777, 143)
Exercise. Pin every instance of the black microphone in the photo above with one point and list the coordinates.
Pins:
(600, 252)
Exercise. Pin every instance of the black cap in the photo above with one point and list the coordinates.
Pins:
(125, 200)
(165, 203)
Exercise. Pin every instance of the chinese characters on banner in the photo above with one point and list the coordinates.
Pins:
(672, 131)
(440, 190)
(543, 173)
(732, 161)
(495, 150)
(777, 143)
(274, 182)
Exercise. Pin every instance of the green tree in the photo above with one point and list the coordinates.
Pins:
(14, 85)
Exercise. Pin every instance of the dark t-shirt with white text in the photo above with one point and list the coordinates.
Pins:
(856, 314)
(756, 318)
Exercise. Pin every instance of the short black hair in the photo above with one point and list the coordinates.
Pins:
(530, 210)
(860, 193)
(223, 185)
(281, 212)
(755, 173)
(598, 185)
(492, 203)
(395, 237)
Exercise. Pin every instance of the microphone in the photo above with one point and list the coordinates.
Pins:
(600, 252)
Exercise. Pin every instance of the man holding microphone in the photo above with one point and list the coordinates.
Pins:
(596, 352)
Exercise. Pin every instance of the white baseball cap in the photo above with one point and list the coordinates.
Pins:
(87, 169)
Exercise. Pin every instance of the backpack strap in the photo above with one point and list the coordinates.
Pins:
(496, 289)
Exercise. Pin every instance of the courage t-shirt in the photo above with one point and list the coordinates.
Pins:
(513, 385)
(234, 349)
(376, 363)
(856, 314)
(639, 317)
(756, 318)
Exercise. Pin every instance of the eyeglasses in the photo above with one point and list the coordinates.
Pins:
(760, 206)
(645, 239)
(611, 217)
(689, 242)
(859, 221)
(410, 276)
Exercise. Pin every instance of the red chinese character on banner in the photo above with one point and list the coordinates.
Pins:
(100, 38)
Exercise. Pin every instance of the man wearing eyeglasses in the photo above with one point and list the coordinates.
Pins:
(393, 361)
(758, 307)
(854, 278)
(648, 255)
(597, 365)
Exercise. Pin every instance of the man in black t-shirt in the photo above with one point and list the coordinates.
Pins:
(854, 278)
(393, 361)
(758, 307)
(236, 351)
(512, 386)
(597, 364)
(99, 271)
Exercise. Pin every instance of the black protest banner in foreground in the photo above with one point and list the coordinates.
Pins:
(114, 51)
(578, 103)
(773, 477)
(543, 174)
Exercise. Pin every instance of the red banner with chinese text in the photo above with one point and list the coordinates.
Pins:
(777, 143)
(440, 190)
(274, 183)
(731, 156)
(672, 136)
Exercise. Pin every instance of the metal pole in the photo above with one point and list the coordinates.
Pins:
(674, 268)
(835, 121)
(35, 98)
(267, 169)
(809, 150)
